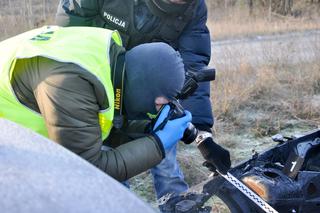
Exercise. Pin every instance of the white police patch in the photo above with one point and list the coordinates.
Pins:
(119, 22)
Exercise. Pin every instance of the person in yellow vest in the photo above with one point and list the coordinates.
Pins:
(60, 82)
(182, 25)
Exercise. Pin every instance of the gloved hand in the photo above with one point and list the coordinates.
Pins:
(215, 155)
(173, 130)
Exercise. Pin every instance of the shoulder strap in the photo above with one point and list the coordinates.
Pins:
(118, 74)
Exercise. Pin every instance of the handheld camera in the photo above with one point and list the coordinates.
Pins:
(191, 84)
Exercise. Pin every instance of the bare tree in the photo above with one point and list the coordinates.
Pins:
(283, 7)
(250, 5)
(288, 6)
(270, 10)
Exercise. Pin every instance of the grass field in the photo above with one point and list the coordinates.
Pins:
(19, 16)
(233, 22)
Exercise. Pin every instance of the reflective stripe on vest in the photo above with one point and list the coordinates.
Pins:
(89, 49)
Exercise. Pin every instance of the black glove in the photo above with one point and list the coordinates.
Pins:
(216, 156)
(209, 166)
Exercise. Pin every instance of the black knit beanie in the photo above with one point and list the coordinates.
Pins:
(152, 70)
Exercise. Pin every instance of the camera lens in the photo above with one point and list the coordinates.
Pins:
(190, 134)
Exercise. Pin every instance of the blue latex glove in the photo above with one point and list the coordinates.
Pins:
(173, 131)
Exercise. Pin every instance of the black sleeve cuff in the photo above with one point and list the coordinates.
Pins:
(148, 128)
(158, 140)
(202, 127)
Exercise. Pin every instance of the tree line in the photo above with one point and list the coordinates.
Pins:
(281, 7)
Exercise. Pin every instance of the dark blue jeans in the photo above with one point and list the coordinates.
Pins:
(167, 176)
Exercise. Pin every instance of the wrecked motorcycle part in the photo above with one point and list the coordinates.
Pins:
(263, 174)
(249, 193)
(297, 157)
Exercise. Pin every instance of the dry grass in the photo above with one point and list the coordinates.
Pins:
(284, 99)
(291, 92)
(236, 22)
(20, 16)
(242, 28)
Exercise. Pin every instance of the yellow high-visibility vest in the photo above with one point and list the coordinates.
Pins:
(87, 47)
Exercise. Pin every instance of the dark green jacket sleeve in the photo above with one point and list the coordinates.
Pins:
(69, 99)
(79, 13)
